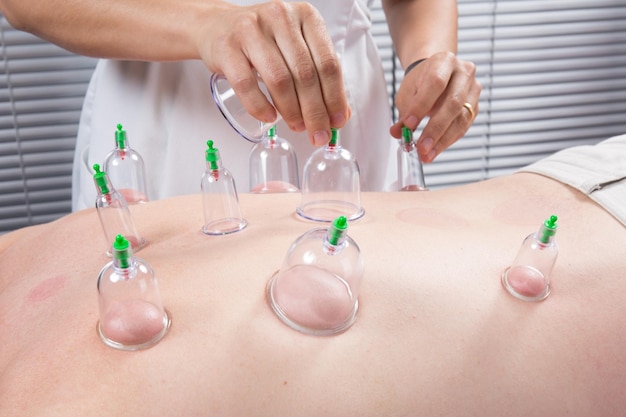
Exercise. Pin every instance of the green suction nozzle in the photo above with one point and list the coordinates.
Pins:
(212, 155)
(120, 137)
(122, 251)
(100, 178)
(334, 136)
(407, 135)
(548, 229)
(337, 230)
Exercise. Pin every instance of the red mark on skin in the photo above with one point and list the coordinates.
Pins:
(434, 218)
(46, 289)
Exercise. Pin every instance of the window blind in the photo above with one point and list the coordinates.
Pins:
(41, 94)
(552, 76)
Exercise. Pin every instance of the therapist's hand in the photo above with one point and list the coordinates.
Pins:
(439, 88)
(289, 46)
(286, 42)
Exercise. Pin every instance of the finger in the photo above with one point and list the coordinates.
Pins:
(456, 131)
(243, 58)
(315, 70)
(329, 70)
(255, 102)
(431, 145)
(448, 107)
(396, 129)
(422, 88)
(277, 77)
(286, 61)
(419, 92)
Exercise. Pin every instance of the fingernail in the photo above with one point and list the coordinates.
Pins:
(299, 127)
(411, 122)
(337, 120)
(427, 144)
(269, 117)
(431, 155)
(321, 138)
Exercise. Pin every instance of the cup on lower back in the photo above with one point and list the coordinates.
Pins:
(317, 287)
(528, 277)
(132, 316)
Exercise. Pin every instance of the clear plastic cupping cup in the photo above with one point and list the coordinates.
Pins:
(331, 184)
(528, 277)
(132, 316)
(114, 214)
(222, 213)
(273, 166)
(316, 289)
(234, 111)
(410, 170)
(126, 169)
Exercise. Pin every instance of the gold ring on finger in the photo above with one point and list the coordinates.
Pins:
(470, 109)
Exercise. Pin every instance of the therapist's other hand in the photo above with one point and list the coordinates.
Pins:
(290, 48)
(439, 88)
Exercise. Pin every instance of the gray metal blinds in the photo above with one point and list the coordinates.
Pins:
(41, 94)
